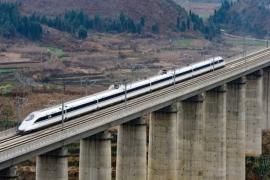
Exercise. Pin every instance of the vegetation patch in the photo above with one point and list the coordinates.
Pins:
(7, 124)
(13, 23)
(187, 42)
(6, 70)
(242, 17)
(78, 23)
(6, 88)
(247, 42)
(57, 52)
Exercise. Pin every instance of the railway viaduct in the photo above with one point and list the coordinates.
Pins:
(198, 129)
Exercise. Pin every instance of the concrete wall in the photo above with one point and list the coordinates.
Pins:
(266, 99)
(254, 114)
(53, 165)
(131, 151)
(190, 140)
(235, 135)
(162, 144)
(95, 157)
(215, 134)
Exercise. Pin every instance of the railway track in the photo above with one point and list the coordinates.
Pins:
(16, 140)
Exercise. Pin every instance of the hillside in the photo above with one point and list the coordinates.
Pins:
(163, 12)
(203, 8)
(244, 17)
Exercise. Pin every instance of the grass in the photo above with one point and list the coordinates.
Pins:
(205, 15)
(7, 124)
(203, 8)
(6, 70)
(6, 88)
(57, 52)
(248, 42)
(187, 42)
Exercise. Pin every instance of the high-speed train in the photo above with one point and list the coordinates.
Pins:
(46, 117)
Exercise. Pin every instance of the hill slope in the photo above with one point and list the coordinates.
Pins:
(163, 12)
(244, 17)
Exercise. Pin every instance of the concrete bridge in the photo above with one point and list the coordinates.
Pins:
(198, 129)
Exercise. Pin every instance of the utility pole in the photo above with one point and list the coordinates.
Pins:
(19, 102)
(244, 51)
(63, 118)
(81, 81)
(88, 83)
(203, 54)
(174, 76)
(133, 73)
(244, 48)
(86, 86)
(64, 86)
(267, 41)
(125, 82)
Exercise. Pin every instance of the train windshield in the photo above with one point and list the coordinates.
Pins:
(29, 117)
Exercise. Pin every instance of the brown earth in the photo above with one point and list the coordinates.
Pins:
(202, 8)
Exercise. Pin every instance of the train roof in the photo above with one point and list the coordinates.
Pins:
(121, 87)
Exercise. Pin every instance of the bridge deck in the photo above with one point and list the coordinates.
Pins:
(17, 148)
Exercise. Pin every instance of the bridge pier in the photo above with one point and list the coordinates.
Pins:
(131, 151)
(162, 144)
(53, 164)
(190, 129)
(95, 157)
(8, 173)
(266, 98)
(235, 135)
(254, 114)
(215, 134)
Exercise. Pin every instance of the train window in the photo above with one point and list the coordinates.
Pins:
(116, 86)
(163, 71)
(29, 117)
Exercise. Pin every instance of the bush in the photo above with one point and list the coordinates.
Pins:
(12, 23)
(82, 33)
(155, 28)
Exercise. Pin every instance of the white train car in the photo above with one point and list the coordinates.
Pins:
(46, 117)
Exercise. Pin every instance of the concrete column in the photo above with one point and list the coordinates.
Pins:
(215, 134)
(235, 135)
(95, 157)
(53, 165)
(254, 114)
(8, 173)
(131, 151)
(162, 144)
(266, 99)
(190, 143)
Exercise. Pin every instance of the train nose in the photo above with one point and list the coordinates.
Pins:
(23, 126)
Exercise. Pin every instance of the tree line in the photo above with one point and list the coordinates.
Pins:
(246, 20)
(195, 23)
(12, 23)
(79, 24)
